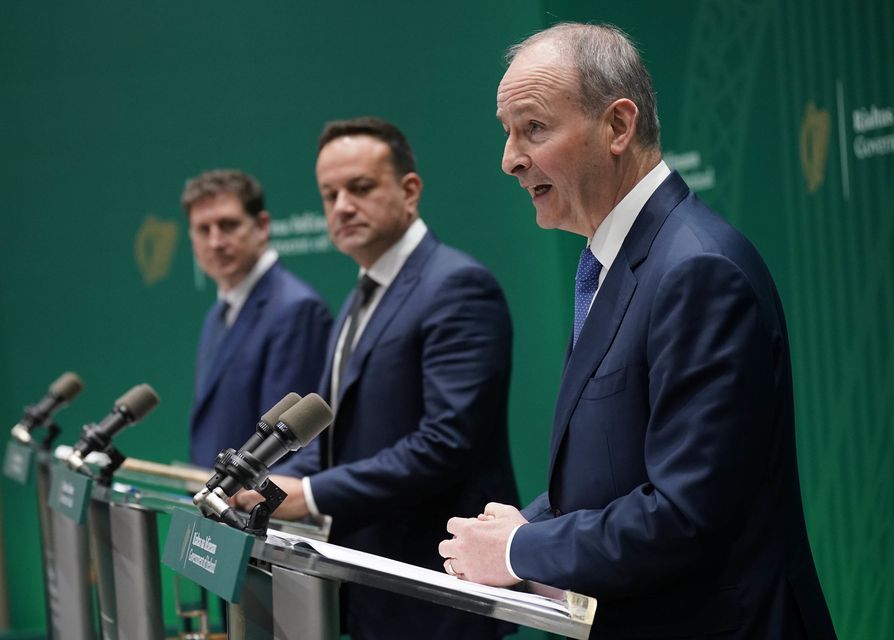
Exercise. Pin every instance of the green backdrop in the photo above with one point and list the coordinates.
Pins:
(780, 114)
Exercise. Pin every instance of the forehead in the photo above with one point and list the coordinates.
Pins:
(350, 156)
(222, 205)
(538, 79)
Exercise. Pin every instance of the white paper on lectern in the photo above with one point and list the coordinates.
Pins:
(420, 574)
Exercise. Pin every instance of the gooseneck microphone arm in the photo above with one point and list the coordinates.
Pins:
(249, 468)
(61, 392)
(263, 429)
(129, 409)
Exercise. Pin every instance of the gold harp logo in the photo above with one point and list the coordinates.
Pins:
(154, 248)
(814, 146)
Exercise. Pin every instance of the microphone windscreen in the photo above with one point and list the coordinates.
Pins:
(307, 418)
(67, 386)
(274, 412)
(138, 401)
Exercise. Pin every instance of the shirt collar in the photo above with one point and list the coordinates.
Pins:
(610, 234)
(385, 269)
(237, 296)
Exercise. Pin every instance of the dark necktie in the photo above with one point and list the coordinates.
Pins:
(585, 284)
(213, 338)
(362, 296)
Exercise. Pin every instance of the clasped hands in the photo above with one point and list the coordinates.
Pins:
(477, 550)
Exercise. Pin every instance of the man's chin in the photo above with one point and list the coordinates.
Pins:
(349, 242)
(545, 221)
(227, 278)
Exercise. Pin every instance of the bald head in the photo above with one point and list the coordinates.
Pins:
(607, 67)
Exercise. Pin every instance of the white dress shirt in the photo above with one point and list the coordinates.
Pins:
(237, 296)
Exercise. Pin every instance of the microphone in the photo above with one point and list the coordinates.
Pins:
(61, 392)
(129, 408)
(268, 421)
(295, 429)
(263, 429)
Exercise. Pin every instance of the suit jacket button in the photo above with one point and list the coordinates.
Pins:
(557, 513)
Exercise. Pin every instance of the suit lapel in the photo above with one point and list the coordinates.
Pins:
(245, 322)
(611, 305)
(326, 381)
(595, 338)
(393, 299)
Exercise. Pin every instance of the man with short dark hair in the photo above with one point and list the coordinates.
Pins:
(673, 486)
(266, 335)
(418, 375)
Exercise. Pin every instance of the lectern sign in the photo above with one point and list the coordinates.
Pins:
(208, 553)
(17, 463)
(69, 493)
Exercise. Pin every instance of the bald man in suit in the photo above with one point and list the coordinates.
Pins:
(417, 371)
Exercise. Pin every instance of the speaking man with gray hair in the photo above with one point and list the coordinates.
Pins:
(673, 491)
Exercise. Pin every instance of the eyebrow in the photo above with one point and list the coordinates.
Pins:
(524, 108)
(349, 182)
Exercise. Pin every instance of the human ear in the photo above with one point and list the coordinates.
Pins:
(622, 114)
(263, 222)
(412, 186)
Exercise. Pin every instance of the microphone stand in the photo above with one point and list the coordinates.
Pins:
(100, 444)
(259, 517)
(116, 459)
(53, 432)
(25, 437)
(249, 473)
(42, 450)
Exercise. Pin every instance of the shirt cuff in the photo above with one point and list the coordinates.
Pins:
(508, 547)
(309, 496)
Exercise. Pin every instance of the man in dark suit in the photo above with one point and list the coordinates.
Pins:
(673, 485)
(417, 372)
(266, 335)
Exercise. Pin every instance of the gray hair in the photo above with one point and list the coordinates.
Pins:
(609, 67)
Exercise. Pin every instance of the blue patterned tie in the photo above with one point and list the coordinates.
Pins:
(213, 338)
(585, 284)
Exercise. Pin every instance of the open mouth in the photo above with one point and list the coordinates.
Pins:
(540, 190)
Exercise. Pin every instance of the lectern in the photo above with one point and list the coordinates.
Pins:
(289, 585)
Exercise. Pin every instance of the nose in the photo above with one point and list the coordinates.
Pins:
(514, 160)
(215, 236)
(343, 203)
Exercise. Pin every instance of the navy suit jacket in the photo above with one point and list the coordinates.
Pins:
(420, 433)
(276, 345)
(673, 490)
